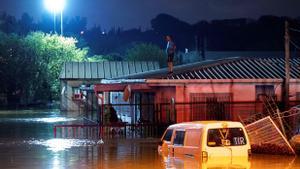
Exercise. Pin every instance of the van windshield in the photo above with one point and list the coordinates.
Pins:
(168, 135)
(226, 137)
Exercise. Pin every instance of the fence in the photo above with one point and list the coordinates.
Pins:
(150, 120)
(116, 129)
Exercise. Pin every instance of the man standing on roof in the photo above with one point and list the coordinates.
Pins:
(170, 50)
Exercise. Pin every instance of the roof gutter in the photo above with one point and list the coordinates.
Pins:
(205, 81)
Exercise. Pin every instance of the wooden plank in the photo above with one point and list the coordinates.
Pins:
(138, 67)
(113, 69)
(156, 65)
(94, 72)
(101, 70)
(88, 70)
(119, 69)
(131, 68)
(150, 65)
(81, 69)
(125, 66)
(144, 66)
(75, 70)
(69, 70)
(107, 73)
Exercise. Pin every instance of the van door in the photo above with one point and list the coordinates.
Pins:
(166, 140)
(192, 143)
(226, 142)
(178, 142)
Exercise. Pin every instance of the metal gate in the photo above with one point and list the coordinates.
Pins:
(210, 106)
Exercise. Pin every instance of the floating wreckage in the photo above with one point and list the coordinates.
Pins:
(265, 137)
(269, 132)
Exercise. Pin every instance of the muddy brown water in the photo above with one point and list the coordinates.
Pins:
(26, 141)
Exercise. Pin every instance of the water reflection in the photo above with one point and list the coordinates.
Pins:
(38, 120)
(30, 124)
(255, 162)
(56, 145)
(29, 144)
(35, 116)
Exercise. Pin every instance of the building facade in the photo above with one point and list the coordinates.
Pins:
(227, 89)
(77, 80)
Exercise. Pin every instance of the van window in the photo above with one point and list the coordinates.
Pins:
(193, 137)
(168, 135)
(226, 137)
(179, 138)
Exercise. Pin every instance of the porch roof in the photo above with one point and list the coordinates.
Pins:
(230, 68)
(111, 87)
(105, 70)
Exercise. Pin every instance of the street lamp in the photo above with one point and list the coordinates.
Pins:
(56, 6)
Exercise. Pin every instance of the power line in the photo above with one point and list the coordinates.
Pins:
(295, 30)
(294, 44)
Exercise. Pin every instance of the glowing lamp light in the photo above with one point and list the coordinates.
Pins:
(55, 5)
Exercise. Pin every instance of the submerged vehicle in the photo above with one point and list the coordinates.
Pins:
(206, 139)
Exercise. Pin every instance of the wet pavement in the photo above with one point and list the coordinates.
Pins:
(26, 141)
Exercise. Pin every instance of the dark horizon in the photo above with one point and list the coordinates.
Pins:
(89, 26)
(113, 13)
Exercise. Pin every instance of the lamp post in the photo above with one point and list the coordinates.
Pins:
(56, 6)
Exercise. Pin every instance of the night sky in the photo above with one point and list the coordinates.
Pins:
(138, 13)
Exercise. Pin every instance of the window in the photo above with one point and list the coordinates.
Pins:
(76, 93)
(193, 137)
(226, 137)
(168, 135)
(264, 90)
(179, 137)
(76, 90)
(210, 106)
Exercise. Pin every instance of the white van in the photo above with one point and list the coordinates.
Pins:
(206, 139)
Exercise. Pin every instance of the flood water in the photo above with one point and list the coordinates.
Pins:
(26, 141)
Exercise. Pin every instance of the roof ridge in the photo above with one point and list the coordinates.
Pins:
(233, 68)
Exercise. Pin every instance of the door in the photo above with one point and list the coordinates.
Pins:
(210, 106)
(178, 143)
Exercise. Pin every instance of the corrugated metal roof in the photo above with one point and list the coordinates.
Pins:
(242, 68)
(230, 68)
(105, 70)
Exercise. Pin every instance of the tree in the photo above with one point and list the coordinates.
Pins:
(8, 23)
(52, 51)
(30, 66)
(96, 58)
(75, 26)
(26, 24)
(18, 68)
(146, 52)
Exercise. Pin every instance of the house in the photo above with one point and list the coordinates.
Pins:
(227, 89)
(77, 80)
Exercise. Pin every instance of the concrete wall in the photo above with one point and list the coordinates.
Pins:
(243, 94)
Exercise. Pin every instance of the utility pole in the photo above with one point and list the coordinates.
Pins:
(203, 49)
(287, 66)
(197, 46)
(196, 43)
